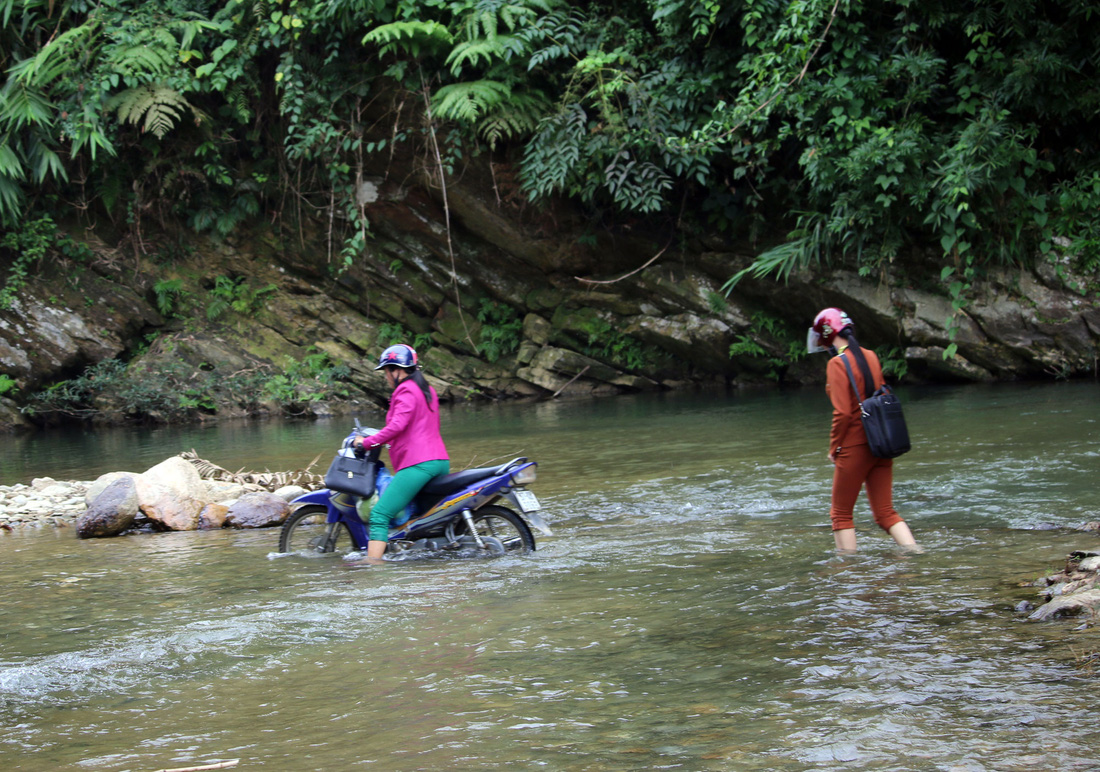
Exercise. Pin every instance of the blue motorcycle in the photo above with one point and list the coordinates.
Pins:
(463, 513)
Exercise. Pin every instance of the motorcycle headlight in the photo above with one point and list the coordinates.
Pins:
(525, 475)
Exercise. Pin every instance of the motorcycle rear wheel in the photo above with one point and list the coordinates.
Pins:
(505, 525)
(306, 531)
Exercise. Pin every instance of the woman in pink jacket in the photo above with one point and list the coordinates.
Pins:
(417, 452)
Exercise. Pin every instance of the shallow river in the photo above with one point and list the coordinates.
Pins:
(688, 613)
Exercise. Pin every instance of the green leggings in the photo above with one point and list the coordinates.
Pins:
(402, 489)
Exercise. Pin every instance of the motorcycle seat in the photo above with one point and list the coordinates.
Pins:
(446, 483)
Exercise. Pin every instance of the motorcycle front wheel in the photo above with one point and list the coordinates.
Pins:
(307, 532)
(505, 525)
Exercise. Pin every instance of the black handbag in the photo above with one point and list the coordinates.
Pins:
(883, 421)
(352, 474)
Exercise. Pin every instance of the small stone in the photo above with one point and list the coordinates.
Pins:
(56, 491)
(41, 483)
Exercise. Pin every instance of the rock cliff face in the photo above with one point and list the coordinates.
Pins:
(511, 303)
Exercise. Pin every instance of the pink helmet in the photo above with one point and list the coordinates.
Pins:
(827, 325)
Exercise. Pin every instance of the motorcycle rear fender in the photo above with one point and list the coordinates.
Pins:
(535, 519)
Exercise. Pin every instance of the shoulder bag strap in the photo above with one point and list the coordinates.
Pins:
(852, 378)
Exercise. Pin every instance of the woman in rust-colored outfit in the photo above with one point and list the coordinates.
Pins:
(854, 466)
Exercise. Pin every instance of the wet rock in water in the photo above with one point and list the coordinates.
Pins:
(1090, 563)
(173, 495)
(113, 511)
(1093, 526)
(1024, 606)
(1086, 602)
(257, 510)
(212, 517)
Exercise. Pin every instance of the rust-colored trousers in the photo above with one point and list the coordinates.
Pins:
(856, 467)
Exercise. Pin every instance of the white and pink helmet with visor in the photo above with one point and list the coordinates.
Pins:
(827, 325)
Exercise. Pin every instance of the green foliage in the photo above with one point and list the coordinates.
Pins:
(236, 295)
(717, 303)
(894, 364)
(29, 242)
(501, 329)
(865, 132)
(314, 378)
(926, 128)
(410, 37)
(7, 385)
(609, 344)
(155, 106)
(772, 330)
(173, 390)
(168, 294)
(391, 333)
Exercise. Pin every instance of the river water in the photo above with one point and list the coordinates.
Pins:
(689, 612)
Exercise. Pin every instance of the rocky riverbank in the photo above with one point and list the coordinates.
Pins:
(182, 493)
(46, 502)
(1071, 592)
(500, 307)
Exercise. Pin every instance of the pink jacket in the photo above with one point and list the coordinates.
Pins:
(412, 429)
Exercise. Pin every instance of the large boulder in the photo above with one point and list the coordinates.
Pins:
(173, 495)
(100, 484)
(257, 510)
(113, 510)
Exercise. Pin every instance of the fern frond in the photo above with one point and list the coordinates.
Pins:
(144, 59)
(466, 102)
(159, 106)
(240, 100)
(470, 52)
(409, 36)
(518, 117)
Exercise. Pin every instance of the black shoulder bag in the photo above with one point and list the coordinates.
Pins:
(883, 422)
(352, 473)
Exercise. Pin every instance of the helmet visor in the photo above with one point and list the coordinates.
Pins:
(813, 342)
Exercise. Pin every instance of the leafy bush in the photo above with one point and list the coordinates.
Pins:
(168, 293)
(176, 391)
(29, 242)
(767, 326)
(7, 385)
(392, 333)
(609, 344)
(236, 295)
(312, 379)
(501, 329)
